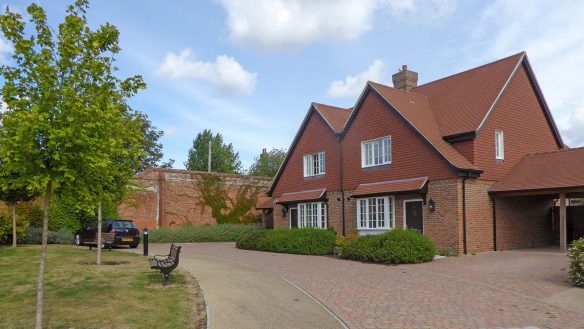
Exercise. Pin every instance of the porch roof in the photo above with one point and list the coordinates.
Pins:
(393, 186)
(309, 195)
(545, 173)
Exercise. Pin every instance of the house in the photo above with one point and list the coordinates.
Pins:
(444, 158)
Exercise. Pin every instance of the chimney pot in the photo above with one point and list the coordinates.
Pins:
(405, 79)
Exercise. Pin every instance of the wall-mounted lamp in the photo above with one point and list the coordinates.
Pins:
(284, 211)
(431, 205)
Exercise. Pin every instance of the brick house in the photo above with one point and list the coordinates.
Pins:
(430, 158)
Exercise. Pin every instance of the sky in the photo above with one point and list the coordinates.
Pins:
(249, 69)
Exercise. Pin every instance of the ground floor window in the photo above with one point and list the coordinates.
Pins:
(312, 214)
(375, 213)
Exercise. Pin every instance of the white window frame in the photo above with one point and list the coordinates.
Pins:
(314, 164)
(312, 214)
(499, 145)
(385, 156)
(388, 213)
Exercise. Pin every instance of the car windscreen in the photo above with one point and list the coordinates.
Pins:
(123, 225)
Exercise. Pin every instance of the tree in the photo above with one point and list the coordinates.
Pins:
(67, 129)
(12, 196)
(267, 164)
(152, 147)
(223, 157)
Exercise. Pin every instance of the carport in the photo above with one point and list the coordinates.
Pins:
(555, 175)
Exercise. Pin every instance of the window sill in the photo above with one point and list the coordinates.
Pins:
(314, 176)
(372, 231)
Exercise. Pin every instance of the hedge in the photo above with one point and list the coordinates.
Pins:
(207, 233)
(394, 247)
(576, 255)
(62, 236)
(304, 241)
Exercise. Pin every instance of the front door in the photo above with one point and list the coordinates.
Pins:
(293, 218)
(414, 217)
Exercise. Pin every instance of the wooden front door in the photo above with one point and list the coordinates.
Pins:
(414, 215)
(293, 217)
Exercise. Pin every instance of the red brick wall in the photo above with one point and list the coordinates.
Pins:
(317, 137)
(521, 118)
(479, 216)
(523, 222)
(411, 155)
(170, 198)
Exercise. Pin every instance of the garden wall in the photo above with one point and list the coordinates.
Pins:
(171, 197)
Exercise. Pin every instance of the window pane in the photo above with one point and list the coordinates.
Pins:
(387, 150)
(363, 213)
(381, 212)
(390, 212)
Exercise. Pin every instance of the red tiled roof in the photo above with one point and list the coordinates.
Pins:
(301, 196)
(268, 204)
(416, 109)
(552, 170)
(392, 186)
(461, 102)
(334, 116)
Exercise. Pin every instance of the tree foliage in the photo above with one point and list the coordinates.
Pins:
(223, 158)
(68, 128)
(267, 164)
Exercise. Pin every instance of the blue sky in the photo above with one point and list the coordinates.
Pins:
(249, 69)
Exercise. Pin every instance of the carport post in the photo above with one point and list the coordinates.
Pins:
(563, 233)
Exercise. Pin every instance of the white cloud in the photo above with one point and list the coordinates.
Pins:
(289, 24)
(5, 51)
(354, 84)
(170, 131)
(551, 33)
(225, 73)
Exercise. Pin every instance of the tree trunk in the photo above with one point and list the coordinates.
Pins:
(41, 278)
(14, 226)
(98, 261)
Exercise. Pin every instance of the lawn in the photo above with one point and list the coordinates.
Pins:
(124, 294)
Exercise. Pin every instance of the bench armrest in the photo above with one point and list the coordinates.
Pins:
(161, 256)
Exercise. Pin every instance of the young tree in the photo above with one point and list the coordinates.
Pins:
(63, 103)
(12, 196)
(223, 158)
(267, 164)
(152, 147)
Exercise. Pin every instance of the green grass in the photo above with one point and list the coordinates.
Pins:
(80, 295)
(207, 233)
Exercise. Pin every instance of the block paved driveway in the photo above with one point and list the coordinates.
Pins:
(489, 290)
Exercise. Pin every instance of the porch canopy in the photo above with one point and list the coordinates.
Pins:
(559, 174)
(399, 186)
(295, 197)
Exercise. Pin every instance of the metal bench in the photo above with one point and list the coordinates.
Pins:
(166, 263)
(107, 240)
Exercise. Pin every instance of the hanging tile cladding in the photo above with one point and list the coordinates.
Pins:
(411, 155)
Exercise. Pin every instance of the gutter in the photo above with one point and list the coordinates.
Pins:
(494, 224)
(465, 248)
(341, 186)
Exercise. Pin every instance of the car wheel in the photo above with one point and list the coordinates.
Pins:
(77, 239)
(103, 246)
(133, 246)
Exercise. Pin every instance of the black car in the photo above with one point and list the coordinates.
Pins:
(126, 232)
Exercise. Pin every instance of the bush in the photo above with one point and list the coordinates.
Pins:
(34, 217)
(576, 255)
(249, 240)
(63, 215)
(208, 233)
(35, 236)
(6, 229)
(394, 247)
(304, 241)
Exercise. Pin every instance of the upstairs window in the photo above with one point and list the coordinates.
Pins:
(314, 164)
(499, 145)
(376, 152)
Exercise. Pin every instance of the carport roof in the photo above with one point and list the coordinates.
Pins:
(558, 171)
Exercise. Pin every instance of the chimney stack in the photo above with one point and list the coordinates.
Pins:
(264, 152)
(405, 79)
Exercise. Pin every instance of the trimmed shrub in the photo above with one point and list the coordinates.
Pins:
(35, 236)
(249, 240)
(576, 255)
(394, 247)
(207, 233)
(63, 215)
(304, 241)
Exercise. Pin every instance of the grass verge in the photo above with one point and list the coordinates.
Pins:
(124, 294)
